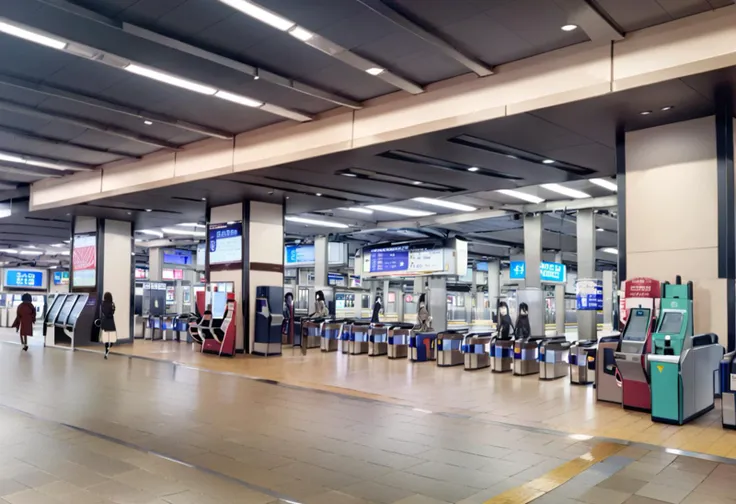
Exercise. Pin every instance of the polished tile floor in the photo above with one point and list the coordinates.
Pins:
(76, 428)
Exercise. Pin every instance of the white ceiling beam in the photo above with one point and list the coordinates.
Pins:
(594, 23)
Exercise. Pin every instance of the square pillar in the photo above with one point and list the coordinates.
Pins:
(586, 231)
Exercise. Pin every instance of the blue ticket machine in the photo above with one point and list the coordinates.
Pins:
(269, 316)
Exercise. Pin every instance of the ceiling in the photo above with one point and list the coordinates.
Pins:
(57, 107)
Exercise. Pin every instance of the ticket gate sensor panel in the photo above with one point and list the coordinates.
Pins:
(631, 360)
(526, 355)
(378, 340)
(554, 358)
(608, 386)
(423, 347)
(331, 335)
(583, 362)
(449, 352)
(476, 350)
(398, 340)
(359, 338)
(728, 391)
(312, 331)
(502, 355)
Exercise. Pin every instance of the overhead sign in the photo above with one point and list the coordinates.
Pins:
(548, 271)
(84, 260)
(177, 256)
(24, 279)
(226, 243)
(172, 274)
(61, 278)
(589, 294)
(299, 254)
(389, 260)
(428, 260)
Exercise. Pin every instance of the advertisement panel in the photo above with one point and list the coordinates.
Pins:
(61, 278)
(84, 260)
(226, 243)
(24, 279)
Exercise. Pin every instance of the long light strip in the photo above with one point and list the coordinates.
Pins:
(31, 36)
(446, 204)
(239, 99)
(522, 196)
(610, 250)
(182, 232)
(150, 232)
(408, 212)
(566, 191)
(31, 252)
(192, 224)
(360, 210)
(8, 251)
(14, 158)
(605, 184)
(260, 13)
(315, 222)
(172, 80)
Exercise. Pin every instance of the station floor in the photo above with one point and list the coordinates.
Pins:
(75, 428)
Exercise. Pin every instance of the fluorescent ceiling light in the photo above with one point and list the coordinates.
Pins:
(8, 251)
(148, 123)
(66, 252)
(11, 159)
(58, 245)
(600, 230)
(375, 71)
(192, 224)
(5, 212)
(49, 164)
(360, 210)
(473, 169)
(566, 191)
(315, 222)
(300, 33)
(257, 12)
(522, 196)
(170, 79)
(548, 161)
(605, 184)
(446, 204)
(151, 232)
(609, 250)
(31, 252)
(569, 27)
(183, 232)
(19, 32)
(408, 212)
(240, 100)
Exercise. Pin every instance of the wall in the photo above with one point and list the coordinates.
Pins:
(671, 205)
(116, 272)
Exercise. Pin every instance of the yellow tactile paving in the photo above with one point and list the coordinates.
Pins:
(547, 482)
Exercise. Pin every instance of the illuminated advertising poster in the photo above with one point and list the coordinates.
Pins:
(84, 260)
(25, 279)
(226, 243)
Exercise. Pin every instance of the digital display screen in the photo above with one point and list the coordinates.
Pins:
(219, 303)
(84, 260)
(172, 274)
(61, 278)
(55, 308)
(226, 243)
(26, 279)
(389, 259)
(141, 274)
(66, 308)
(636, 328)
(176, 256)
(77, 310)
(671, 323)
(299, 254)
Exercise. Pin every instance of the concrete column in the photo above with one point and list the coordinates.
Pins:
(586, 230)
(532, 250)
(320, 261)
(155, 264)
(418, 286)
(494, 285)
(559, 302)
(608, 287)
(437, 302)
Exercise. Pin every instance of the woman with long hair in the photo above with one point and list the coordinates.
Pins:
(423, 319)
(25, 317)
(108, 335)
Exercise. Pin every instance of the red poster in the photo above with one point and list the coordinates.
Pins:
(84, 260)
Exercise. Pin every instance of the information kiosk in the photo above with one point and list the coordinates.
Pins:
(631, 361)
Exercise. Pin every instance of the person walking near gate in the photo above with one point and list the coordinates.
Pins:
(108, 334)
(24, 319)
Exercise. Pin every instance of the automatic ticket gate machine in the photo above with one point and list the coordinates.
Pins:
(331, 335)
(502, 354)
(583, 355)
(728, 391)
(526, 355)
(378, 340)
(423, 347)
(359, 332)
(399, 336)
(554, 358)
(449, 348)
(631, 360)
(476, 350)
(267, 337)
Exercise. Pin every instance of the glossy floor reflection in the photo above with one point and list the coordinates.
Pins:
(229, 439)
(555, 405)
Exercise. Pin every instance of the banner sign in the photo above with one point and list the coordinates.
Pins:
(548, 271)
(84, 260)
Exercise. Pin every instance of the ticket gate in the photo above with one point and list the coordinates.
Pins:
(476, 350)
(398, 340)
(312, 331)
(554, 358)
(331, 335)
(502, 355)
(608, 386)
(728, 391)
(347, 330)
(685, 383)
(449, 351)
(378, 340)
(423, 347)
(526, 355)
(359, 338)
(583, 362)
(631, 360)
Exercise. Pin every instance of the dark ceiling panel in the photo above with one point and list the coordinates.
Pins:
(634, 15)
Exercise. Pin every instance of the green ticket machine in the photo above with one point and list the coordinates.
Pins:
(683, 367)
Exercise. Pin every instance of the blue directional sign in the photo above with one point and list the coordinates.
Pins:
(589, 294)
(299, 254)
(29, 279)
(391, 259)
(548, 271)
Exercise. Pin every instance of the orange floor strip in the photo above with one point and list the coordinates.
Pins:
(553, 479)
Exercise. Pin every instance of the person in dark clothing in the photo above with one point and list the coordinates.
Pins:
(109, 334)
(376, 310)
(288, 312)
(505, 326)
(424, 322)
(25, 317)
(523, 329)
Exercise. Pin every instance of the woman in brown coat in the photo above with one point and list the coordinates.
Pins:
(24, 319)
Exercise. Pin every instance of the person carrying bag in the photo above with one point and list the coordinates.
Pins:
(108, 334)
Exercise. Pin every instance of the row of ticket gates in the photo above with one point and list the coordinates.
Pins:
(655, 365)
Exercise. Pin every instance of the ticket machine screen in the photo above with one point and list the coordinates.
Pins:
(66, 309)
(671, 323)
(638, 325)
(55, 308)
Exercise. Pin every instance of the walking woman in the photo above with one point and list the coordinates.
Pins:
(424, 323)
(24, 319)
(320, 306)
(109, 335)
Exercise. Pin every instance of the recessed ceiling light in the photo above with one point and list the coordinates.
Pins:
(149, 210)
(610, 250)
(318, 194)
(129, 213)
(511, 156)
(668, 107)
(446, 204)
(645, 112)
(522, 196)
(204, 199)
(416, 182)
(473, 169)
(600, 230)
(375, 71)
(566, 191)
(349, 175)
(408, 212)
(569, 27)
(315, 222)
(606, 184)
(548, 161)
(148, 123)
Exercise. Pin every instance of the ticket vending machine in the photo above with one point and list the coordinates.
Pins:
(267, 337)
(631, 360)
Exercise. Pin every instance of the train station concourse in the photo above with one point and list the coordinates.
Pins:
(367, 251)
